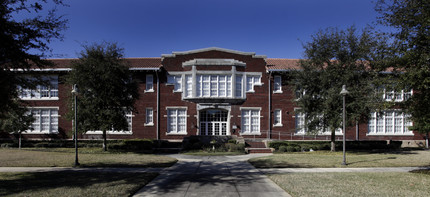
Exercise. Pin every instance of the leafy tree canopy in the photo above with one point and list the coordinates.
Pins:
(106, 88)
(334, 58)
(411, 53)
(26, 29)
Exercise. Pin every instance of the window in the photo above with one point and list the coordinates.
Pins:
(213, 86)
(47, 90)
(301, 129)
(176, 121)
(149, 83)
(397, 96)
(46, 120)
(189, 86)
(176, 80)
(239, 92)
(149, 117)
(277, 118)
(251, 81)
(250, 121)
(391, 122)
(129, 117)
(277, 84)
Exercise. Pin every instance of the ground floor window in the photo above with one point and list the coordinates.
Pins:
(301, 126)
(391, 122)
(149, 117)
(277, 120)
(176, 121)
(128, 116)
(45, 120)
(250, 121)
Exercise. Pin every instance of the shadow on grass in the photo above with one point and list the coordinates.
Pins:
(27, 183)
(127, 165)
(274, 164)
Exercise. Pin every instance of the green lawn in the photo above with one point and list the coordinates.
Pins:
(69, 183)
(354, 184)
(325, 159)
(88, 157)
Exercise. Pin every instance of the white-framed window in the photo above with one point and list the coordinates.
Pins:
(277, 118)
(213, 86)
(45, 120)
(300, 123)
(149, 83)
(176, 121)
(48, 90)
(149, 119)
(390, 122)
(189, 86)
(176, 80)
(250, 121)
(397, 96)
(277, 84)
(251, 81)
(129, 116)
(239, 92)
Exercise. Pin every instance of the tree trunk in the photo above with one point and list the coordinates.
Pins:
(104, 141)
(19, 141)
(333, 140)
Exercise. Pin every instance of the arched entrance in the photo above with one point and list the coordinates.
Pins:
(213, 122)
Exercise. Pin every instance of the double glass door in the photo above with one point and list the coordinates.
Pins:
(213, 122)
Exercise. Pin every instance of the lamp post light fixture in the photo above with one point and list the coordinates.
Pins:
(75, 94)
(344, 92)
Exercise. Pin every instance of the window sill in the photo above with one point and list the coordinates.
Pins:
(41, 132)
(176, 133)
(278, 125)
(147, 91)
(109, 133)
(148, 124)
(250, 134)
(40, 99)
(278, 92)
(389, 134)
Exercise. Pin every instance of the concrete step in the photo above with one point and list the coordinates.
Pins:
(258, 150)
(251, 144)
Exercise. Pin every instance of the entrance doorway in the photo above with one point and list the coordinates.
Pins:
(213, 122)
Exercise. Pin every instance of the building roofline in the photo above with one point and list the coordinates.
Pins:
(174, 53)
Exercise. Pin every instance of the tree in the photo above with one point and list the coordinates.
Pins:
(334, 58)
(17, 122)
(106, 89)
(24, 36)
(411, 51)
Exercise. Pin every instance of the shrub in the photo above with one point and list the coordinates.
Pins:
(292, 148)
(232, 141)
(283, 148)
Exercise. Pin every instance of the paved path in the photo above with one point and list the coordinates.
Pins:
(212, 176)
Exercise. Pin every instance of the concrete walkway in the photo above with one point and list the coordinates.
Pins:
(212, 176)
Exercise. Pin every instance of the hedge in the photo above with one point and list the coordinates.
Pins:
(292, 146)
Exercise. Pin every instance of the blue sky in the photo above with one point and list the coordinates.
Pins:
(149, 28)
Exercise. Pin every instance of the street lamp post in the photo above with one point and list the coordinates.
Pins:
(75, 94)
(344, 92)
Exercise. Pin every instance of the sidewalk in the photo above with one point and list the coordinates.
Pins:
(212, 176)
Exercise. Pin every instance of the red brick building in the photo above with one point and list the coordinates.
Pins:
(211, 91)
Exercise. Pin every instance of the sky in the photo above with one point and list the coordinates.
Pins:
(150, 28)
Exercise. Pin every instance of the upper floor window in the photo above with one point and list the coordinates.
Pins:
(213, 86)
(402, 95)
(252, 81)
(149, 83)
(47, 89)
(277, 84)
(176, 80)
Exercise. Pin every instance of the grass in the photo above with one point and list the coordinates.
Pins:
(69, 183)
(88, 157)
(354, 184)
(325, 159)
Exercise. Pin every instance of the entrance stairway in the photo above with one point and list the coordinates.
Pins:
(256, 147)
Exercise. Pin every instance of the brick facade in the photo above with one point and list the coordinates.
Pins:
(196, 63)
